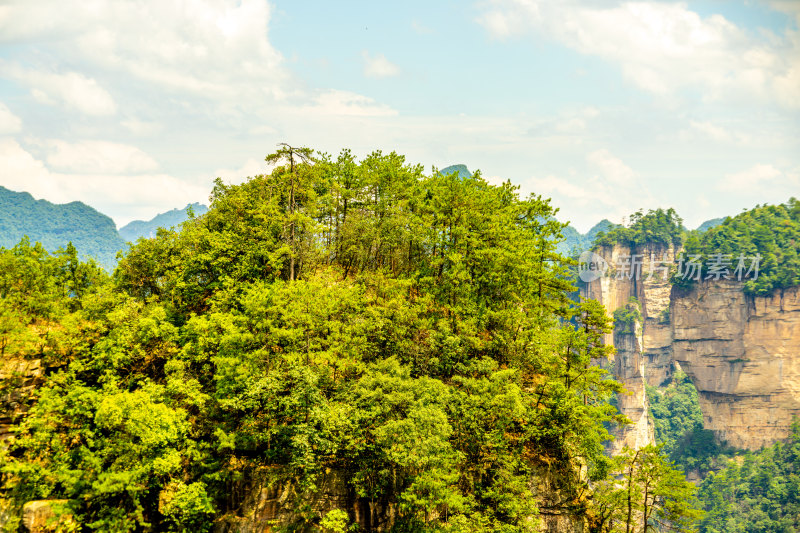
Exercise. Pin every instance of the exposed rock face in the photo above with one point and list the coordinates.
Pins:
(743, 355)
(643, 357)
(40, 517)
(269, 506)
(272, 505)
(629, 369)
(654, 296)
(18, 378)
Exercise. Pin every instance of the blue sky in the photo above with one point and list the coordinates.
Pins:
(605, 106)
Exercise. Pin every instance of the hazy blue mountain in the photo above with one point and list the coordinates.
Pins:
(576, 241)
(708, 224)
(604, 225)
(462, 170)
(54, 225)
(147, 228)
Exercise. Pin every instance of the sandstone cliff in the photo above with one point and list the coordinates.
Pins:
(644, 356)
(741, 352)
(743, 355)
(18, 379)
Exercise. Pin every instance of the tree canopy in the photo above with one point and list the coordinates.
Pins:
(413, 331)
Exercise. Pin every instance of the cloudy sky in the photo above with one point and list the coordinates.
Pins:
(135, 106)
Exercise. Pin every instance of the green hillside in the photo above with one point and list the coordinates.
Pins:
(414, 334)
(147, 228)
(55, 225)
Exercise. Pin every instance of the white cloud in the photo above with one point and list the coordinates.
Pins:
(71, 89)
(378, 66)
(9, 122)
(251, 167)
(613, 190)
(23, 172)
(98, 157)
(612, 168)
(173, 52)
(663, 47)
(141, 128)
(709, 130)
(124, 196)
(751, 179)
(345, 103)
(213, 50)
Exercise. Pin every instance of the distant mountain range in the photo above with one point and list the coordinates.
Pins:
(574, 241)
(95, 234)
(708, 224)
(147, 228)
(91, 232)
(55, 225)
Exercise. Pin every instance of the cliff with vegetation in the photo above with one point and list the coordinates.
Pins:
(743, 355)
(737, 339)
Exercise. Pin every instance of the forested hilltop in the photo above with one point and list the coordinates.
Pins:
(707, 323)
(414, 333)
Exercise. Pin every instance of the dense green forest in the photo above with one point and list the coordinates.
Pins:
(414, 332)
(770, 231)
(759, 493)
(740, 492)
(678, 424)
(657, 226)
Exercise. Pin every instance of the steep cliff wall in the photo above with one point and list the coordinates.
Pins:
(643, 356)
(743, 355)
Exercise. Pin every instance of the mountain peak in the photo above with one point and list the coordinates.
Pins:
(462, 170)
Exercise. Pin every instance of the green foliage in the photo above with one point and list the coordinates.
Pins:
(335, 521)
(769, 231)
(414, 333)
(647, 493)
(678, 424)
(186, 508)
(657, 226)
(626, 318)
(759, 493)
